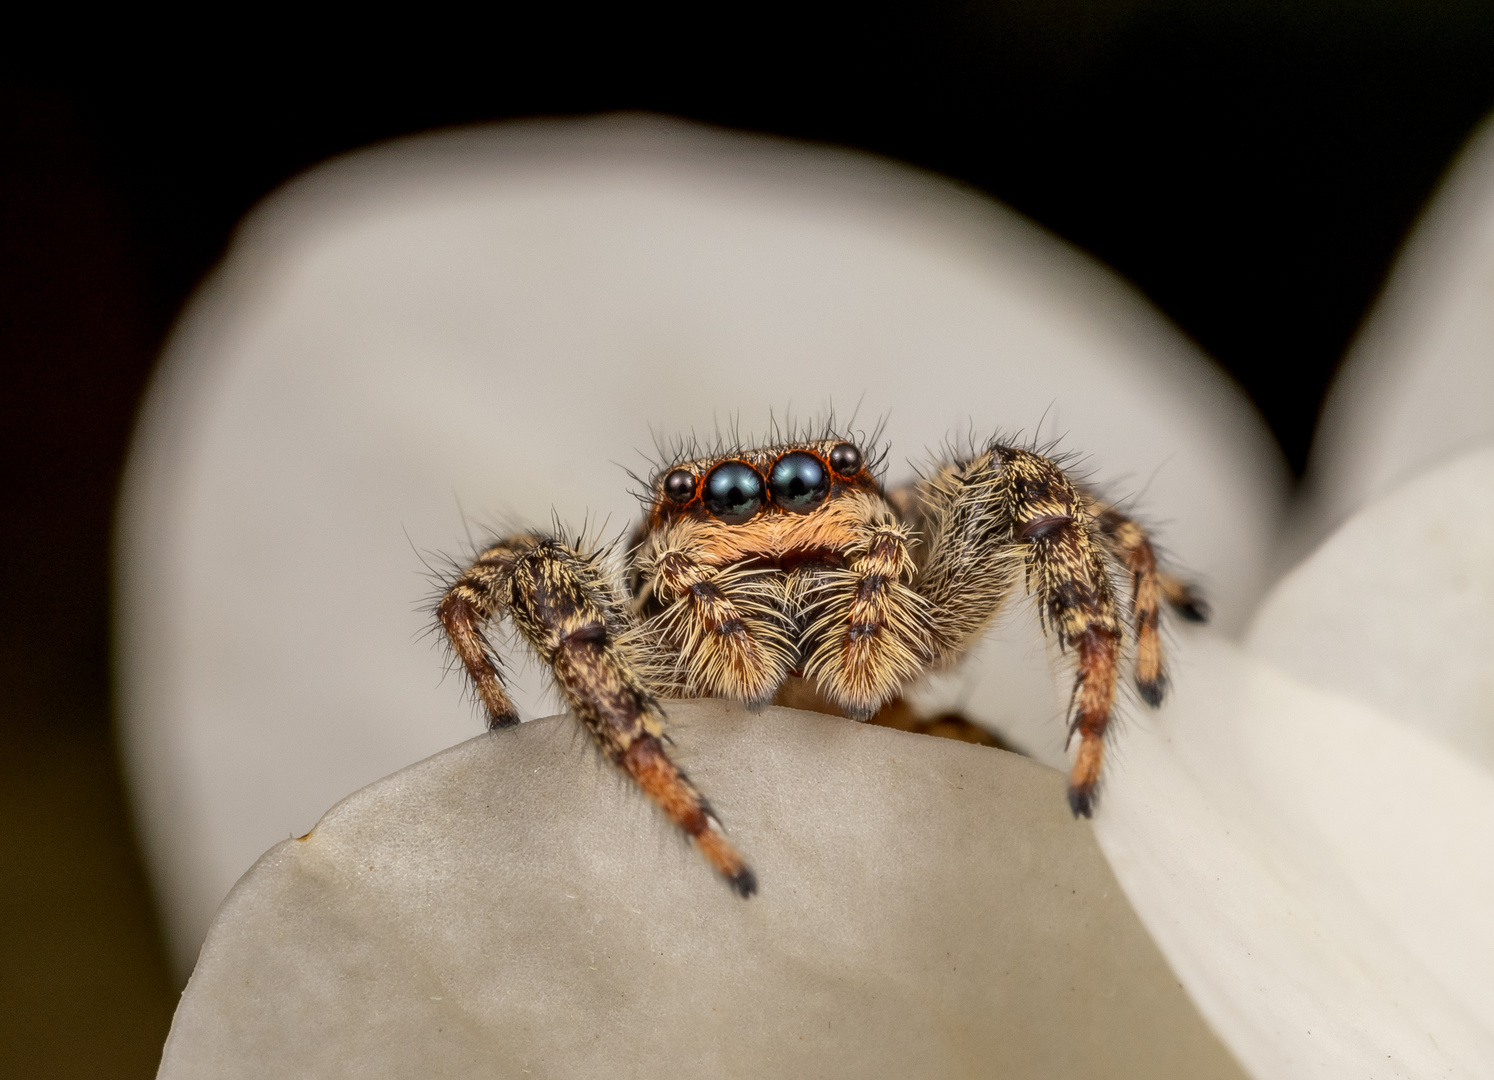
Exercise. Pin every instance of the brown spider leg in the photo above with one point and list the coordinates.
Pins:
(727, 626)
(871, 633)
(1149, 588)
(1066, 569)
(988, 519)
(469, 604)
(561, 603)
(1183, 598)
(1133, 547)
(969, 566)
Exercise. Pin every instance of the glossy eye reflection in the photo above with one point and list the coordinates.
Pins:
(799, 481)
(679, 486)
(845, 459)
(733, 492)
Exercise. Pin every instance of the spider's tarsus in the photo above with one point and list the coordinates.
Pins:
(1152, 690)
(743, 882)
(1082, 800)
(1195, 609)
(507, 720)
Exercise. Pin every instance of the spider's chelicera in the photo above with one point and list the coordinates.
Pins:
(787, 573)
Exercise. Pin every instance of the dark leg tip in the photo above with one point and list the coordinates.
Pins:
(1153, 690)
(1082, 800)
(503, 721)
(1195, 609)
(743, 883)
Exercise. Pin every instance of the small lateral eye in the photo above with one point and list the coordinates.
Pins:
(799, 481)
(845, 459)
(733, 492)
(679, 486)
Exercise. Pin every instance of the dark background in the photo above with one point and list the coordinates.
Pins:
(1251, 167)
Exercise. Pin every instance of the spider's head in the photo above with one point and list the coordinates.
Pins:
(746, 487)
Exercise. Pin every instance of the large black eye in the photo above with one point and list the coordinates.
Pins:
(845, 459)
(679, 486)
(733, 492)
(799, 481)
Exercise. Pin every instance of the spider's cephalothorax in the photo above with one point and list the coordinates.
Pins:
(760, 570)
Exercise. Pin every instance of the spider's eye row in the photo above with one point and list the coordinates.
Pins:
(845, 459)
(733, 492)
(799, 481)
(679, 486)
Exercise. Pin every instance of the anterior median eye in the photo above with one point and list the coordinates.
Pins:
(733, 492)
(799, 481)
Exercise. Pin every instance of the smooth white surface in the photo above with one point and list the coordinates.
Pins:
(1396, 609)
(494, 320)
(927, 909)
(1418, 383)
(1305, 830)
(1318, 874)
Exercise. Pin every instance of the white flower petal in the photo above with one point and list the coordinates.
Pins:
(1306, 829)
(1418, 384)
(927, 908)
(1319, 875)
(491, 319)
(1396, 609)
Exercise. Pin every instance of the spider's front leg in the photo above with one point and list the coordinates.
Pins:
(870, 633)
(468, 605)
(727, 625)
(560, 600)
(1004, 513)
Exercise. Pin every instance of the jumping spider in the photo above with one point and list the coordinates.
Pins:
(787, 571)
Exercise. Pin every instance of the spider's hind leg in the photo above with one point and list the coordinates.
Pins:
(1133, 547)
(1149, 588)
(560, 600)
(1184, 598)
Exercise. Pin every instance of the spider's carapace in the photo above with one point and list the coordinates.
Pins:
(788, 572)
